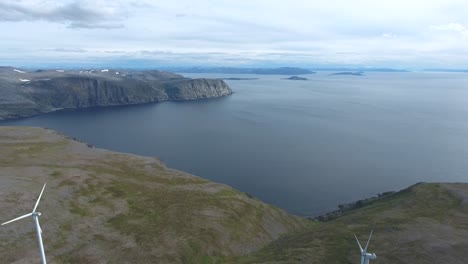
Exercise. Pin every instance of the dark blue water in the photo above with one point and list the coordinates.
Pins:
(305, 146)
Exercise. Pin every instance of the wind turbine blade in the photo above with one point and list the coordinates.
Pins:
(38, 199)
(40, 229)
(365, 249)
(359, 244)
(18, 218)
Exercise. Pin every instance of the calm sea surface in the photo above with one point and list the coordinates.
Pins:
(305, 146)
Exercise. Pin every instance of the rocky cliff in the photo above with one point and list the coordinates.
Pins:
(196, 89)
(27, 93)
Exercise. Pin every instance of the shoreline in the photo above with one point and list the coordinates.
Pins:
(2, 119)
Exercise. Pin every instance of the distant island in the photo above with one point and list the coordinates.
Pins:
(348, 73)
(238, 79)
(26, 93)
(260, 71)
(296, 78)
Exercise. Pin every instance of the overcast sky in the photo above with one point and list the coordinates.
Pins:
(394, 33)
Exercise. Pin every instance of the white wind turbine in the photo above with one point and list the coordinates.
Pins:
(35, 215)
(365, 257)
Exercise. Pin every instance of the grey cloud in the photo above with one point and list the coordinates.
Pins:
(116, 52)
(154, 52)
(76, 14)
(451, 27)
(139, 4)
(74, 50)
(78, 25)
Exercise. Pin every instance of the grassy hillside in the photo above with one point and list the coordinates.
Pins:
(106, 207)
(426, 223)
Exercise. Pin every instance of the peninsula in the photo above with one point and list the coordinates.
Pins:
(26, 93)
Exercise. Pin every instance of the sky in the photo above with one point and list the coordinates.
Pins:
(409, 34)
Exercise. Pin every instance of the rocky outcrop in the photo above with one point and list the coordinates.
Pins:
(196, 89)
(348, 207)
(29, 93)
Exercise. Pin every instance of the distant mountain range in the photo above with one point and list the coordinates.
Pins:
(262, 71)
(445, 70)
(296, 78)
(276, 71)
(361, 69)
(348, 73)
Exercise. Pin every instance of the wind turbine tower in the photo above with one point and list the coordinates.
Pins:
(35, 215)
(365, 257)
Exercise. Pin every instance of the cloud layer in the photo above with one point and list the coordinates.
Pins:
(408, 34)
(76, 14)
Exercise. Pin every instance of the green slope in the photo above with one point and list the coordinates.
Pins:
(426, 223)
(106, 207)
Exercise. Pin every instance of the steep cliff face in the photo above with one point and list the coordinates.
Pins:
(196, 89)
(77, 92)
(29, 93)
